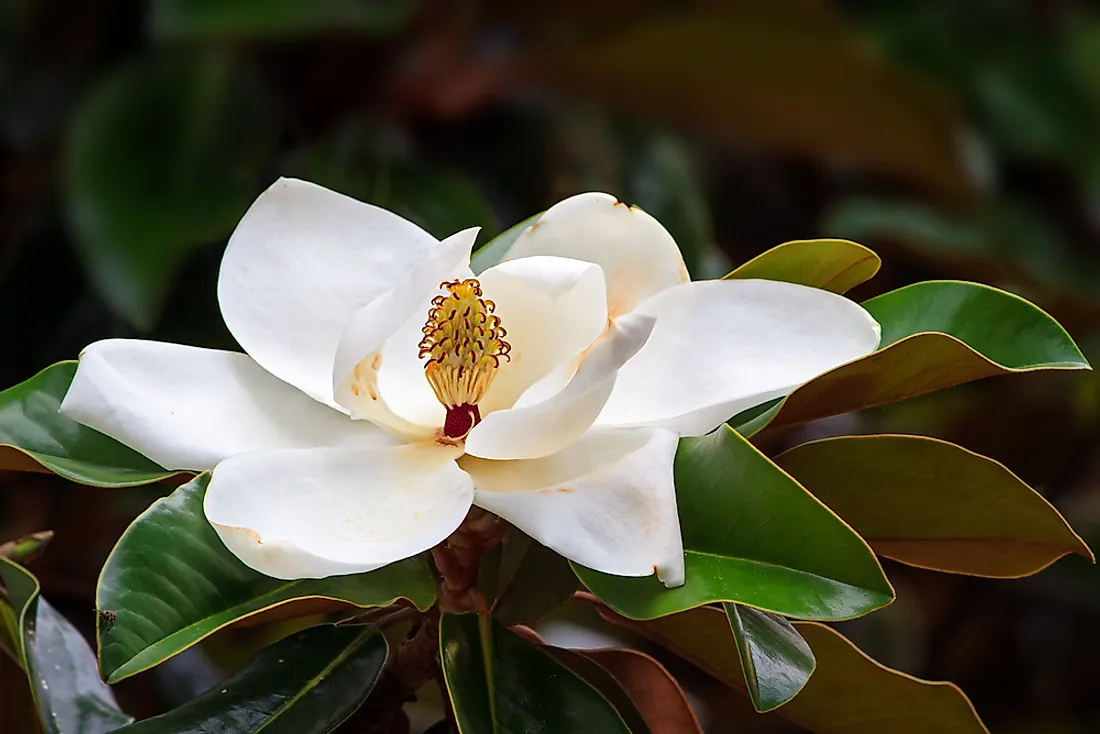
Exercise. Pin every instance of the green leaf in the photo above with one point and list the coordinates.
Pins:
(32, 426)
(658, 696)
(164, 156)
(169, 582)
(776, 660)
(276, 18)
(493, 677)
(27, 548)
(533, 580)
(607, 684)
(935, 505)
(752, 535)
(935, 335)
(832, 265)
(1005, 328)
(849, 693)
(492, 251)
(59, 663)
(307, 683)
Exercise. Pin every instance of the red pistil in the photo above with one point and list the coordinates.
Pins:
(460, 420)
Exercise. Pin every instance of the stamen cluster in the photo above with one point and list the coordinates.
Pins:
(464, 343)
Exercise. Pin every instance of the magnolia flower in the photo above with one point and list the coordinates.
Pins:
(386, 388)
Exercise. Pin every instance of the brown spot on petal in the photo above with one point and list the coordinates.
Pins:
(247, 532)
(563, 490)
(365, 376)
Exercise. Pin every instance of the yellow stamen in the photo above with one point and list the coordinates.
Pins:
(464, 343)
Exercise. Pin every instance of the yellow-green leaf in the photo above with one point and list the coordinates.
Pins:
(832, 265)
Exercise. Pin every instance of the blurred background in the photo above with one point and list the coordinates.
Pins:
(958, 140)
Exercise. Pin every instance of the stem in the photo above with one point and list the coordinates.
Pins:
(458, 560)
(409, 668)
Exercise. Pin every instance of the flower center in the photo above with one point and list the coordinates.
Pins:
(464, 342)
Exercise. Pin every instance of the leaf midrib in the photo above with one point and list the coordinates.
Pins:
(136, 660)
(790, 569)
(349, 649)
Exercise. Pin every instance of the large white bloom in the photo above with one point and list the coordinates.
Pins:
(375, 405)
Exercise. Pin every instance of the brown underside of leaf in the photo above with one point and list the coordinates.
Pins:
(655, 692)
(989, 557)
(916, 365)
(849, 693)
(12, 459)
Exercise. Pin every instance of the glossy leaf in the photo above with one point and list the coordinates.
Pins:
(307, 683)
(500, 682)
(533, 580)
(275, 18)
(935, 505)
(603, 681)
(165, 156)
(58, 661)
(752, 535)
(169, 582)
(832, 265)
(492, 251)
(849, 693)
(935, 335)
(781, 77)
(34, 435)
(776, 660)
(658, 696)
(27, 548)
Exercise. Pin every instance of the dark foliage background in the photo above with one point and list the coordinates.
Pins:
(959, 140)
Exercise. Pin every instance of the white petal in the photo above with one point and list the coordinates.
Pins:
(720, 347)
(300, 263)
(313, 513)
(607, 501)
(189, 408)
(377, 374)
(638, 256)
(553, 308)
(543, 428)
